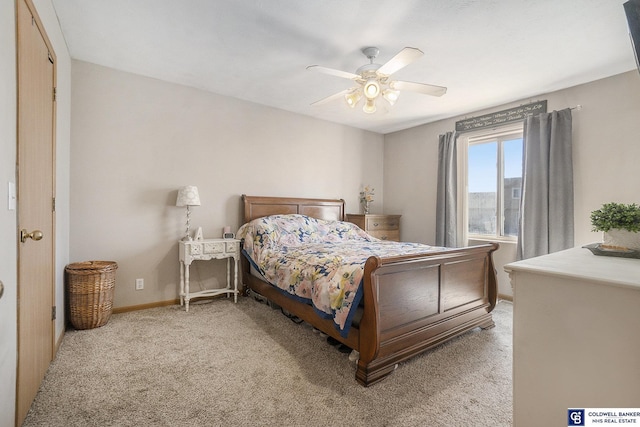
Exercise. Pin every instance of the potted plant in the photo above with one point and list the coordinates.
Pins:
(620, 224)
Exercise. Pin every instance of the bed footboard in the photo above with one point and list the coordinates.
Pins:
(413, 303)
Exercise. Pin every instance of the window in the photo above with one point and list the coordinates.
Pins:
(515, 193)
(493, 181)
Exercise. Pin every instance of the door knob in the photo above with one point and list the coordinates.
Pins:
(34, 235)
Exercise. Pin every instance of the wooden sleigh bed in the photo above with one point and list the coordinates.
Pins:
(410, 303)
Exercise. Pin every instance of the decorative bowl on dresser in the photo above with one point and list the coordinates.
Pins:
(384, 227)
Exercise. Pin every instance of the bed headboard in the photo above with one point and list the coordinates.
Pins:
(256, 207)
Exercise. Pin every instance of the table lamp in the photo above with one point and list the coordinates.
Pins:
(188, 196)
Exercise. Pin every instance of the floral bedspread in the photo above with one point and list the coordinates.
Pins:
(317, 261)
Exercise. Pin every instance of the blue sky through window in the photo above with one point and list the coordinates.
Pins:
(482, 167)
(513, 158)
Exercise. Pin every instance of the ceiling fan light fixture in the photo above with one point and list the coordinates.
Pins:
(370, 106)
(352, 98)
(371, 88)
(391, 95)
(375, 80)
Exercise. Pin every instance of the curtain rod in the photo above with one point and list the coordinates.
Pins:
(577, 107)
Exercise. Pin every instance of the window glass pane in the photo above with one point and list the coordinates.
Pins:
(482, 181)
(512, 155)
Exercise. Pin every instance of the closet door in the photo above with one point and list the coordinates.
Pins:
(35, 182)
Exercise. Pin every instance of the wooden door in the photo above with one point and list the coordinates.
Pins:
(36, 112)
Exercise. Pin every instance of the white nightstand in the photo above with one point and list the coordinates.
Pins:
(205, 250)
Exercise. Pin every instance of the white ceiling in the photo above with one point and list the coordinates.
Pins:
(486, 52)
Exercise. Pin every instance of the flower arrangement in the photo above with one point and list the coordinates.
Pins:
(366, 197)
(616, 215)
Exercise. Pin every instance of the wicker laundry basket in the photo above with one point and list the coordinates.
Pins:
(90, 288)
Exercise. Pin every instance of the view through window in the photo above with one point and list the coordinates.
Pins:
(494, 178)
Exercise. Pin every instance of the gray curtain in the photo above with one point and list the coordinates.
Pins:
(546, 206)
(446, 204)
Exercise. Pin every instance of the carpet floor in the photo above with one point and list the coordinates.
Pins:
(245, 364)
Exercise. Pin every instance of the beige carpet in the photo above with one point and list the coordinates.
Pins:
(245, 364)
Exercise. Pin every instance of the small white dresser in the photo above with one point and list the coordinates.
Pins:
(205, 250)
(576, 335)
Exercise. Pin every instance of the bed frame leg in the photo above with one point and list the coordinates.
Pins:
(488, 325)
(368, 374)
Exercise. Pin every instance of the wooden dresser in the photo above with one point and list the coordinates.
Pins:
(385, 227)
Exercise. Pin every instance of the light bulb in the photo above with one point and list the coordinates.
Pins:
(370, 106)
(371, 88)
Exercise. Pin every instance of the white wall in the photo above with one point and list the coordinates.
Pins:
(136, 140)
(8, 219)
(606, 150)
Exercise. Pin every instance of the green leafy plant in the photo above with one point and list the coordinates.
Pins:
(616, 215)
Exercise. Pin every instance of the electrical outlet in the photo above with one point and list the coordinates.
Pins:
(139, 284)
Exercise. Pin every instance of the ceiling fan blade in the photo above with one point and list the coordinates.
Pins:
(405, 57)
(333, 72)
(419, 87)
(330, 98)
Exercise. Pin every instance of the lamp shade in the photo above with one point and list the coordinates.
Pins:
(370, 106)
(353, 98)
(188, 196)
(391, 95)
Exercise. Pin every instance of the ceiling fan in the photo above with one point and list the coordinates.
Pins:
(374, 80)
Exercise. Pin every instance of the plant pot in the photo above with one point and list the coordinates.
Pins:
(617, 238)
